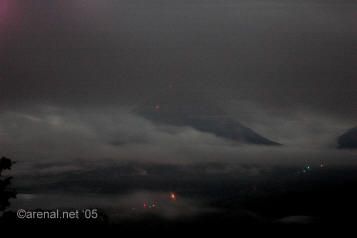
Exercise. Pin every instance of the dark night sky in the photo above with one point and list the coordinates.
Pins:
(277, 54)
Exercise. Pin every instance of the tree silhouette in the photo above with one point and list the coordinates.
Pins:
(6, 192)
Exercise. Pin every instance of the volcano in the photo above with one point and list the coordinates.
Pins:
(201, 114)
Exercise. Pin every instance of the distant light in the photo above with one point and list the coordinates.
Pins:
(322, 165)
(173, 196)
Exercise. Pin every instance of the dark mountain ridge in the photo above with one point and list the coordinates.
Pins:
(348, 140)
(201, 114)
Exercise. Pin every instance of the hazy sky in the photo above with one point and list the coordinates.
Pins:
(285, 55)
